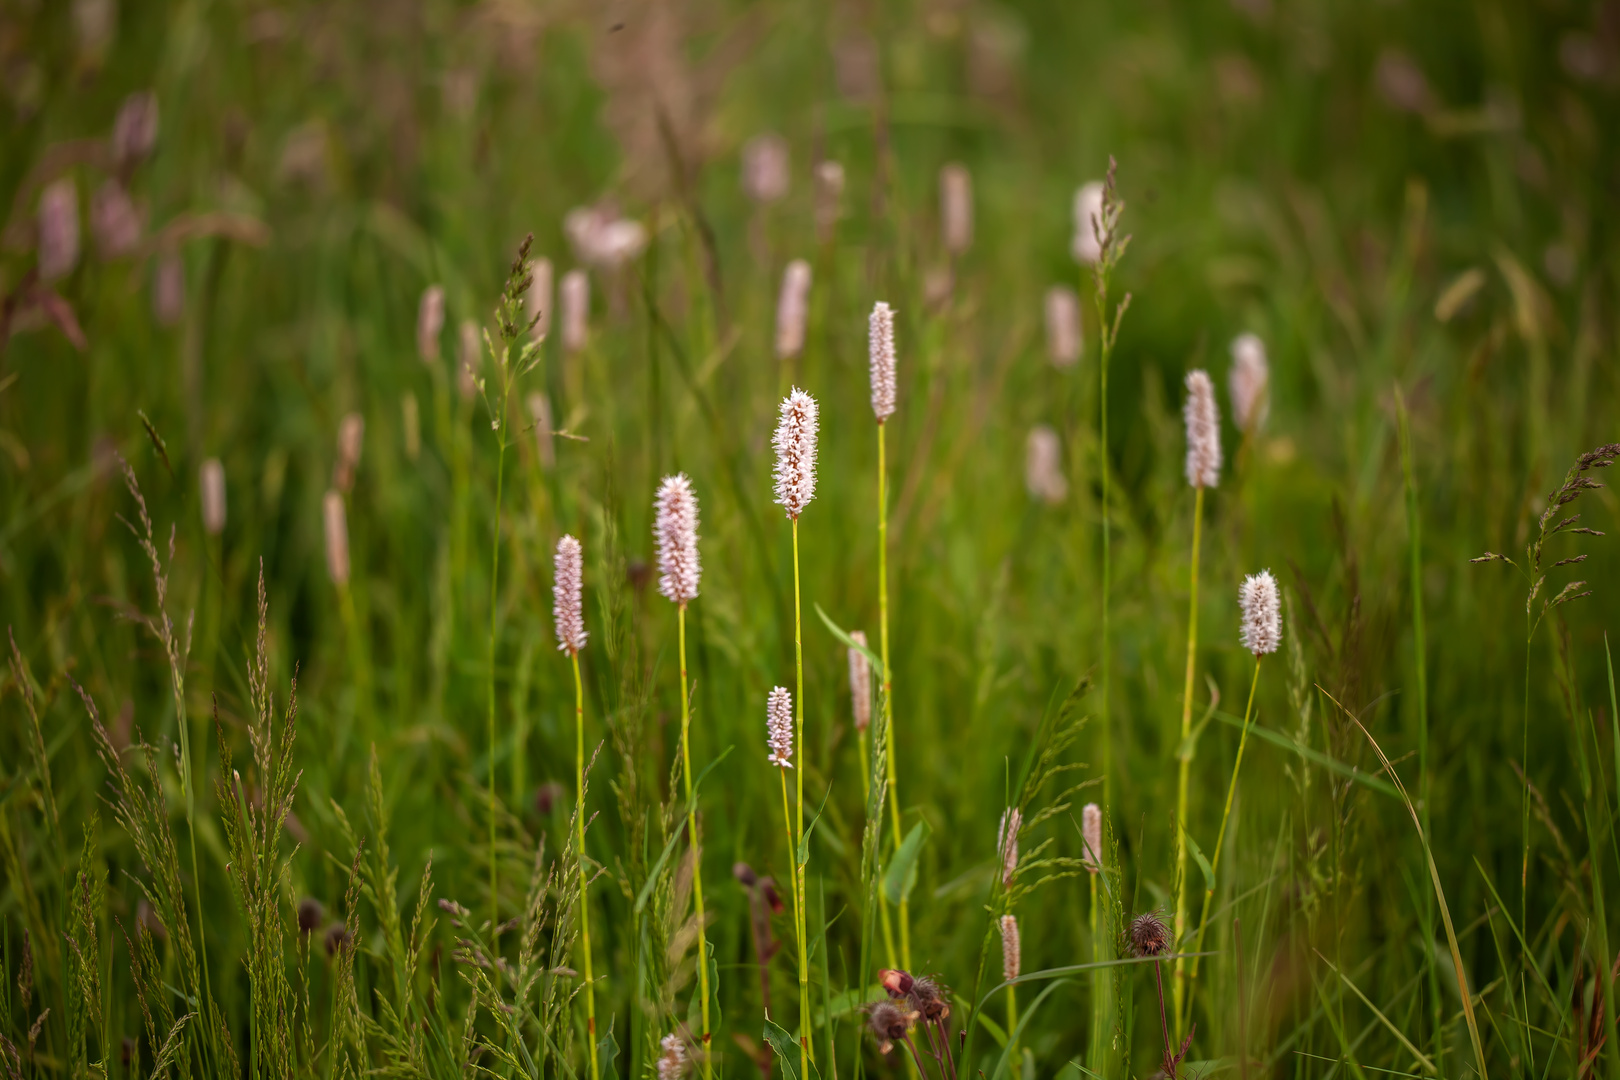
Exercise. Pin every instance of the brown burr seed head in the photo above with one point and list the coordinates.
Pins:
(1149, 936)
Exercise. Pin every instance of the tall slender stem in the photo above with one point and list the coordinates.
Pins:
(888, 681)
(798, 926)
(1220, 837)
(1105, 351)
(1178, 988)
(494, 587)
(1099, 1004)
(1169, 1058)
(798, 870)
(579, 818)
(1012, 1027)
(697, 849)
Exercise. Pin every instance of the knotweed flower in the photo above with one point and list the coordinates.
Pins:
(1203, 431)
(779, 727)
(860, 682)
(792, 309)
(568, 595)
(1149, 936)
(351, 438)
(135, 131)
(544, 442)
(1249, 381)
(601, 238)
(765, 172)
(1063, 341)
(829, 197)
(675, 532)
(1012, 819)
(468, 354)
(537, 305)
(211, 481)
(1091, 834)
(58, 229)
(429, 323)
(576, 309)
(956, 208)
(1088, 223)
(880, 346)
(337, 538)
(169, 289)
(795, 444)
(350, 442)
(674, 1061)
(114, 220)
(1043, 468)
(1011, 956)
(1261, 632)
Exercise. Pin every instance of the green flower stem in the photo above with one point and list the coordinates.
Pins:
(888, 694)
(798, 871)
(579, 818)
(1220, 837)
(1178, 989)
(697, 850)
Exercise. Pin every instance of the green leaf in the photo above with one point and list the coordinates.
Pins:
(674, 837)
(787, 1051)
(997, 1032)
(847, 1001)
(804, 841)
(849, 642)
(902, 872)
(1203, 863)
(607, 1050)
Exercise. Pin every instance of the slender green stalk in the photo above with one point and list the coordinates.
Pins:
(860, 749)
(579, 818)
(1220, 836)
(888, 687)
(798, 869)
(1099, 981)
(1012, 1026)
(1105, 733)
(798, 923)
(697, 849)
(494, 585)
(1178, 989)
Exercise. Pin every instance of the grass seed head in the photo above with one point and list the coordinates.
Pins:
(1012, 820)
(568, 595)
(779, 727)
(795, 444)
(792, 309)
(1261, 631)
(675, 532)
(1203, 431)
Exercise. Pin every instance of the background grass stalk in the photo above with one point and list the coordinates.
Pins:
(489, 686)
(1226, 813)
(697, 849)
(584, 892)
(1184, 767)
(888, 693)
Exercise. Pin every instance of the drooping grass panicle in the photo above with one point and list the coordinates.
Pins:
(880, 346)
(860, 684)
(1043, 465)
(351, 440)
(1261, 631)
(795, 445)
(211, 483)
(792, 309)
(779, 726)
(1089, 229)
(336, 522)
(568, 595)
(1063, 338)
(575, 297)
(1091, 836)
(1203, 431)
(1011, 953)
(429, 323)
(1249, 382)
(956, 208)
(675, 534)
(1012, 820)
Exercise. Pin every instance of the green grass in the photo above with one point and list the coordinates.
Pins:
(318, 166)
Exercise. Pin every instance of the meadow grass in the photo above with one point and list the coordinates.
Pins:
(274, 805)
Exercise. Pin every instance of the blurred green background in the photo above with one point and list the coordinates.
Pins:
(1412, 205)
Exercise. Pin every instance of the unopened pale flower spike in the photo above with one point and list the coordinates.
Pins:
(792, 309)
(1203, 431)
(568, 595)
(880, 348)
(1249, 382)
